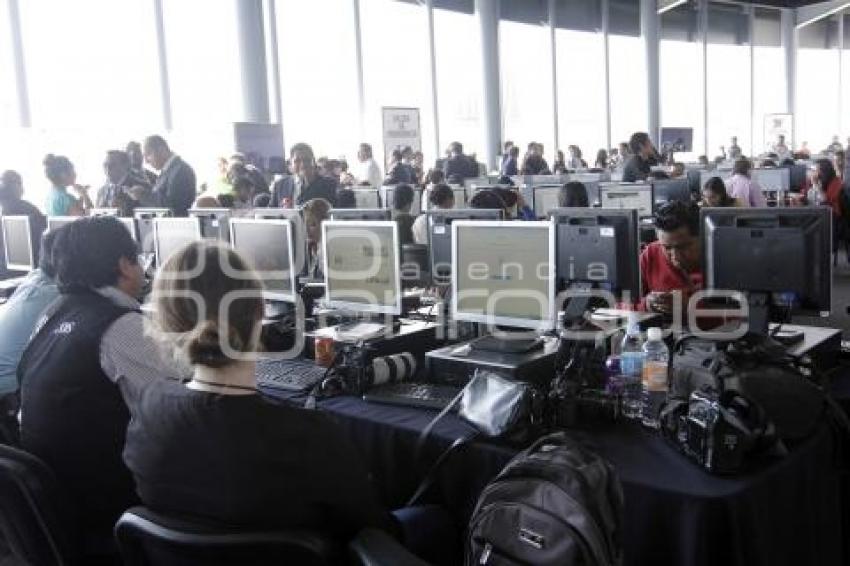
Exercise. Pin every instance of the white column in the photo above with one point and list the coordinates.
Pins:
(251, 45)
(703, 25)
(274, 60)
(789, 45)
(553, 49)
(162, 63)
(432, 58)
(606, 46)
(358, 63)
(649, 30)
(487, 12)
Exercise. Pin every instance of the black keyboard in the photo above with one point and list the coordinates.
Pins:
(423, 395)
(289, 375)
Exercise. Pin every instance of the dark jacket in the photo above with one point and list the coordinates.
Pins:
(117, 196)
(321, 187)
(460, 167)
(175, 187)
(400, 173)
(636, 169)
(509, 167)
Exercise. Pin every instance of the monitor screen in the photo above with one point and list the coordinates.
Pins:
(267, 244)
(144, 224)
(171, 234)
(362, 271)
(773, 179)
(214, 222)
(503, 273)
(635, 196)
(367, 198)
(56, 222)
(545, 199)
(389, 199)
(361, 214)
(672, 189)
(440, 238)
(17, 243)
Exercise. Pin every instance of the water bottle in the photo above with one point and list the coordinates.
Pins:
(655, 364)
(631, 367)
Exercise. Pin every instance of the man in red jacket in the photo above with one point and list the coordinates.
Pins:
(671, 268)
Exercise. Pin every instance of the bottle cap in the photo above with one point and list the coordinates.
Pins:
(654, 333)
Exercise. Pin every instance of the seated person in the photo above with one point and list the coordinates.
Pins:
(441, 197)
(671, 267)
(72, 413)
(12, 203)
(742, 188)
(304, 184)
(398, 172)
(244, 461)
(315, 212)
(488, 199)
(515, 206)
(714, 194)
(18, 319)
(123, 189)
(402, 202)
(573, 194)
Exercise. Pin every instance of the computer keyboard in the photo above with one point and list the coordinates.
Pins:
(422, 395)
(289, 375)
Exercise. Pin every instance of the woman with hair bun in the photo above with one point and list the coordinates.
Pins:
(214, 448)
(60, 172)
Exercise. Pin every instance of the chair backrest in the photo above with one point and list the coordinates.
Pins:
(34, 519)
(147, 538)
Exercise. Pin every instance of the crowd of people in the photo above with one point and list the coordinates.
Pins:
(106, 394)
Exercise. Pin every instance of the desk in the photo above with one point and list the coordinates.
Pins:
(787, 512)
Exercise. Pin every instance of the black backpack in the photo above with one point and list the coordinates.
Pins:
(555, 503)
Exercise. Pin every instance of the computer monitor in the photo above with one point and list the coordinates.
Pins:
(279, 213)
(598, 248)
(546, 198)
(56, 222)
(103, 212)
(362, 271)
(502, 273)
(171, 234)
(388, 199)
(267, 243)
(677, 140)
(214, 222)
(361, 214)
(780, 257)
(772, 179)
(367, 197)
(476, 182)
(144, 224)
(666, 190)
(299, 231)
(638, 196)
(17, 243)
(440, 237)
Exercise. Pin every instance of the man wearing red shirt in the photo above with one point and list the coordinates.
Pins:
(671, 268)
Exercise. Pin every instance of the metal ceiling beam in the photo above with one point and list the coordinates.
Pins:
(815, 12)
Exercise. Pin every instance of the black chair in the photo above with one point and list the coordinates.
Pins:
(416, 266)
(34, 516)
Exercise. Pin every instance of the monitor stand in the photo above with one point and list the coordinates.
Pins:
(762, 311)
(507, 344)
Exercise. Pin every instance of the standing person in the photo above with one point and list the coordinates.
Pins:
(734, 149)
(601, 159)
(506, 155)
(459, 166)
(510, 167)
(315, 212)
(742, 188)
(780, 148)
(304, 184)
(559, 166)
(418, 167)
(175, 187)
(576, 161)
(123, 189)
(839, 162)
(72, 413)
(402, 201)
(835, 145)
(398, 172)
(442, 197)
(643, 157)
(367, 171)
(60, 172)
(407, 159)
(137, 163)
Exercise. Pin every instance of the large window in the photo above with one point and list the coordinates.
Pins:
(729, 85)
(768, 74)
(580, 57)
(460, 90)
(8, 102)
(318, 75)
(681, 75)
(818, 86)
(526, 75)
(627, 59)
(396, 66)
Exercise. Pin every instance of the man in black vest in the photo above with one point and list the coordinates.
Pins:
(175, 186)
(72, 413)
(305, 183)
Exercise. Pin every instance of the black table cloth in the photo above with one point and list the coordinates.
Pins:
(787, 511)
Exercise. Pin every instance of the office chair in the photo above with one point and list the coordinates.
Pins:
(34, 520)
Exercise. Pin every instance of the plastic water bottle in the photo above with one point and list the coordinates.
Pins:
(631, 368)
(655, 365)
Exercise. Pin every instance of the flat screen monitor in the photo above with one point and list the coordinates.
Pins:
(103, 212)
(362, 271)
(546, 198)
(637, 196)
(772, 179)
(677, 140)
(267, 243)
(598, 248)
(476, 182)
(214, 222)
(144, 224)
(56, 222)
(388, 199)
(361, 214)
(666, 190)
(171, 234)
(366, 197)
(440, 237)
(299, 231)
(17, 243)
(502, 273)
(782, 255)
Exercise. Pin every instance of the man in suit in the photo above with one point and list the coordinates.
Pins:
(305, 183)
(175, 186)
(458, 166)
(123, 189)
